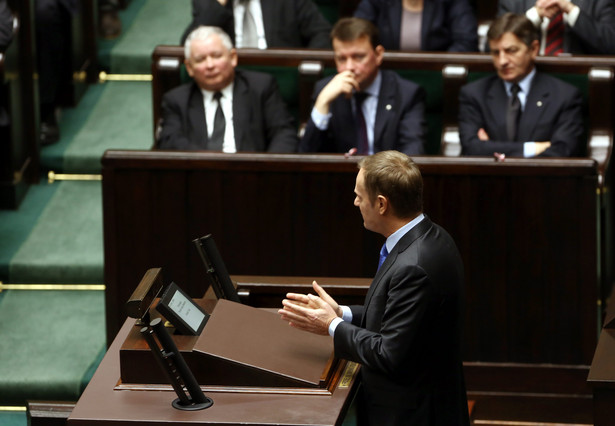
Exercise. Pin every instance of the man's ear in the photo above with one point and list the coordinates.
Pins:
(233, 55)
(379, 54)
(535, 49)
(383, 204)
(188, 67)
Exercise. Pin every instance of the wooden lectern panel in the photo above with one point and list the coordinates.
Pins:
(240, 346)
(261, 340)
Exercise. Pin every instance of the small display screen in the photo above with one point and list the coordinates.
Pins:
(186, 310)
(179, 309)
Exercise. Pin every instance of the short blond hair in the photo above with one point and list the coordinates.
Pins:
(395, 176)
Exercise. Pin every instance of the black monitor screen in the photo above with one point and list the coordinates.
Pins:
(216, 273)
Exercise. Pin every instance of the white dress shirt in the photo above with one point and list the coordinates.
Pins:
(226, 101)
(257, 13)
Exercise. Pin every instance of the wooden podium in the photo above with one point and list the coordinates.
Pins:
(240, 346)
(255, 368)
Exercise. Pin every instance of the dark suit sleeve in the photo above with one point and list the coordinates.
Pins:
(313, 27)
(568, 128)
(471, 119)
(409, 298)
(173, 133)
(279, 124)
(411, 131)
(597, 32)
(463, 25)
(314, 139)
(367, 10)
(6, 25)
(514, 6)
(211, 12)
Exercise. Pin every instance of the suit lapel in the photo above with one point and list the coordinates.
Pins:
(269, 21)
(241, 113)
(399, 248)
(385, 109)
(536, 103)
(497, 104)
(395, 11)
(196, 114)
(429, 8)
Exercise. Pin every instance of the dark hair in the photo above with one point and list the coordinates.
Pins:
(395, 176)
(350, 29)
(519, 25)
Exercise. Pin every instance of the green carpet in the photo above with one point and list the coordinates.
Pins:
(66, 245)
(127, 16)
(121, 119)
(157, 22)
(71, 121)
(13, 418)
(15, 225)
(65, 332)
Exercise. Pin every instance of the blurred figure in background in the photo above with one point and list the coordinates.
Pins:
(428, 25)
(583, 26)
(264, 23)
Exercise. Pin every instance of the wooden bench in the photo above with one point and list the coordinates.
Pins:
(441, 74)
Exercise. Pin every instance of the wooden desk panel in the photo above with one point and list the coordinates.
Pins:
(527, 231)
(100, 404)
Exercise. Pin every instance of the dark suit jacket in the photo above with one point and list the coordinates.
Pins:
(553, 112)
(288, 23)
(406, 336)
(594, 31)
(400, 120)
(447, 25)
(260, 119)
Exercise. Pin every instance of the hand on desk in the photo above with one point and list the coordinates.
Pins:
(310, 313)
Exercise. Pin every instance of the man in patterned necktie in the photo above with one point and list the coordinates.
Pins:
(519, 112)
(586, 26)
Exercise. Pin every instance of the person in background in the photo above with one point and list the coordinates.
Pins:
(6, 26)
(428, 25)
(264, 23)
(579, 27)
(363, 109)
(109, 23)
(53, 22)
(519, 112)
(224, 109)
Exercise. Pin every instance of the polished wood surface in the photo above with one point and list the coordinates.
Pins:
(103, 403)
(240, 346)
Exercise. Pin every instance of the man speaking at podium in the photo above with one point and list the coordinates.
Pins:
(406, 336)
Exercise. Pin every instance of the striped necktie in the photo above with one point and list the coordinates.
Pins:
(555, 36)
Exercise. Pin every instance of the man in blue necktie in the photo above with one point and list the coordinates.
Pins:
(406, 336)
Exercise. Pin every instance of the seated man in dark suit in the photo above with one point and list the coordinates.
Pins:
(587, 27)
(363, 109)
(407, 334)
(224, 109)
(521, 112)
(264, 23)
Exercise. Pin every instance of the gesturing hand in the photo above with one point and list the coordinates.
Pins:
(308, 312)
